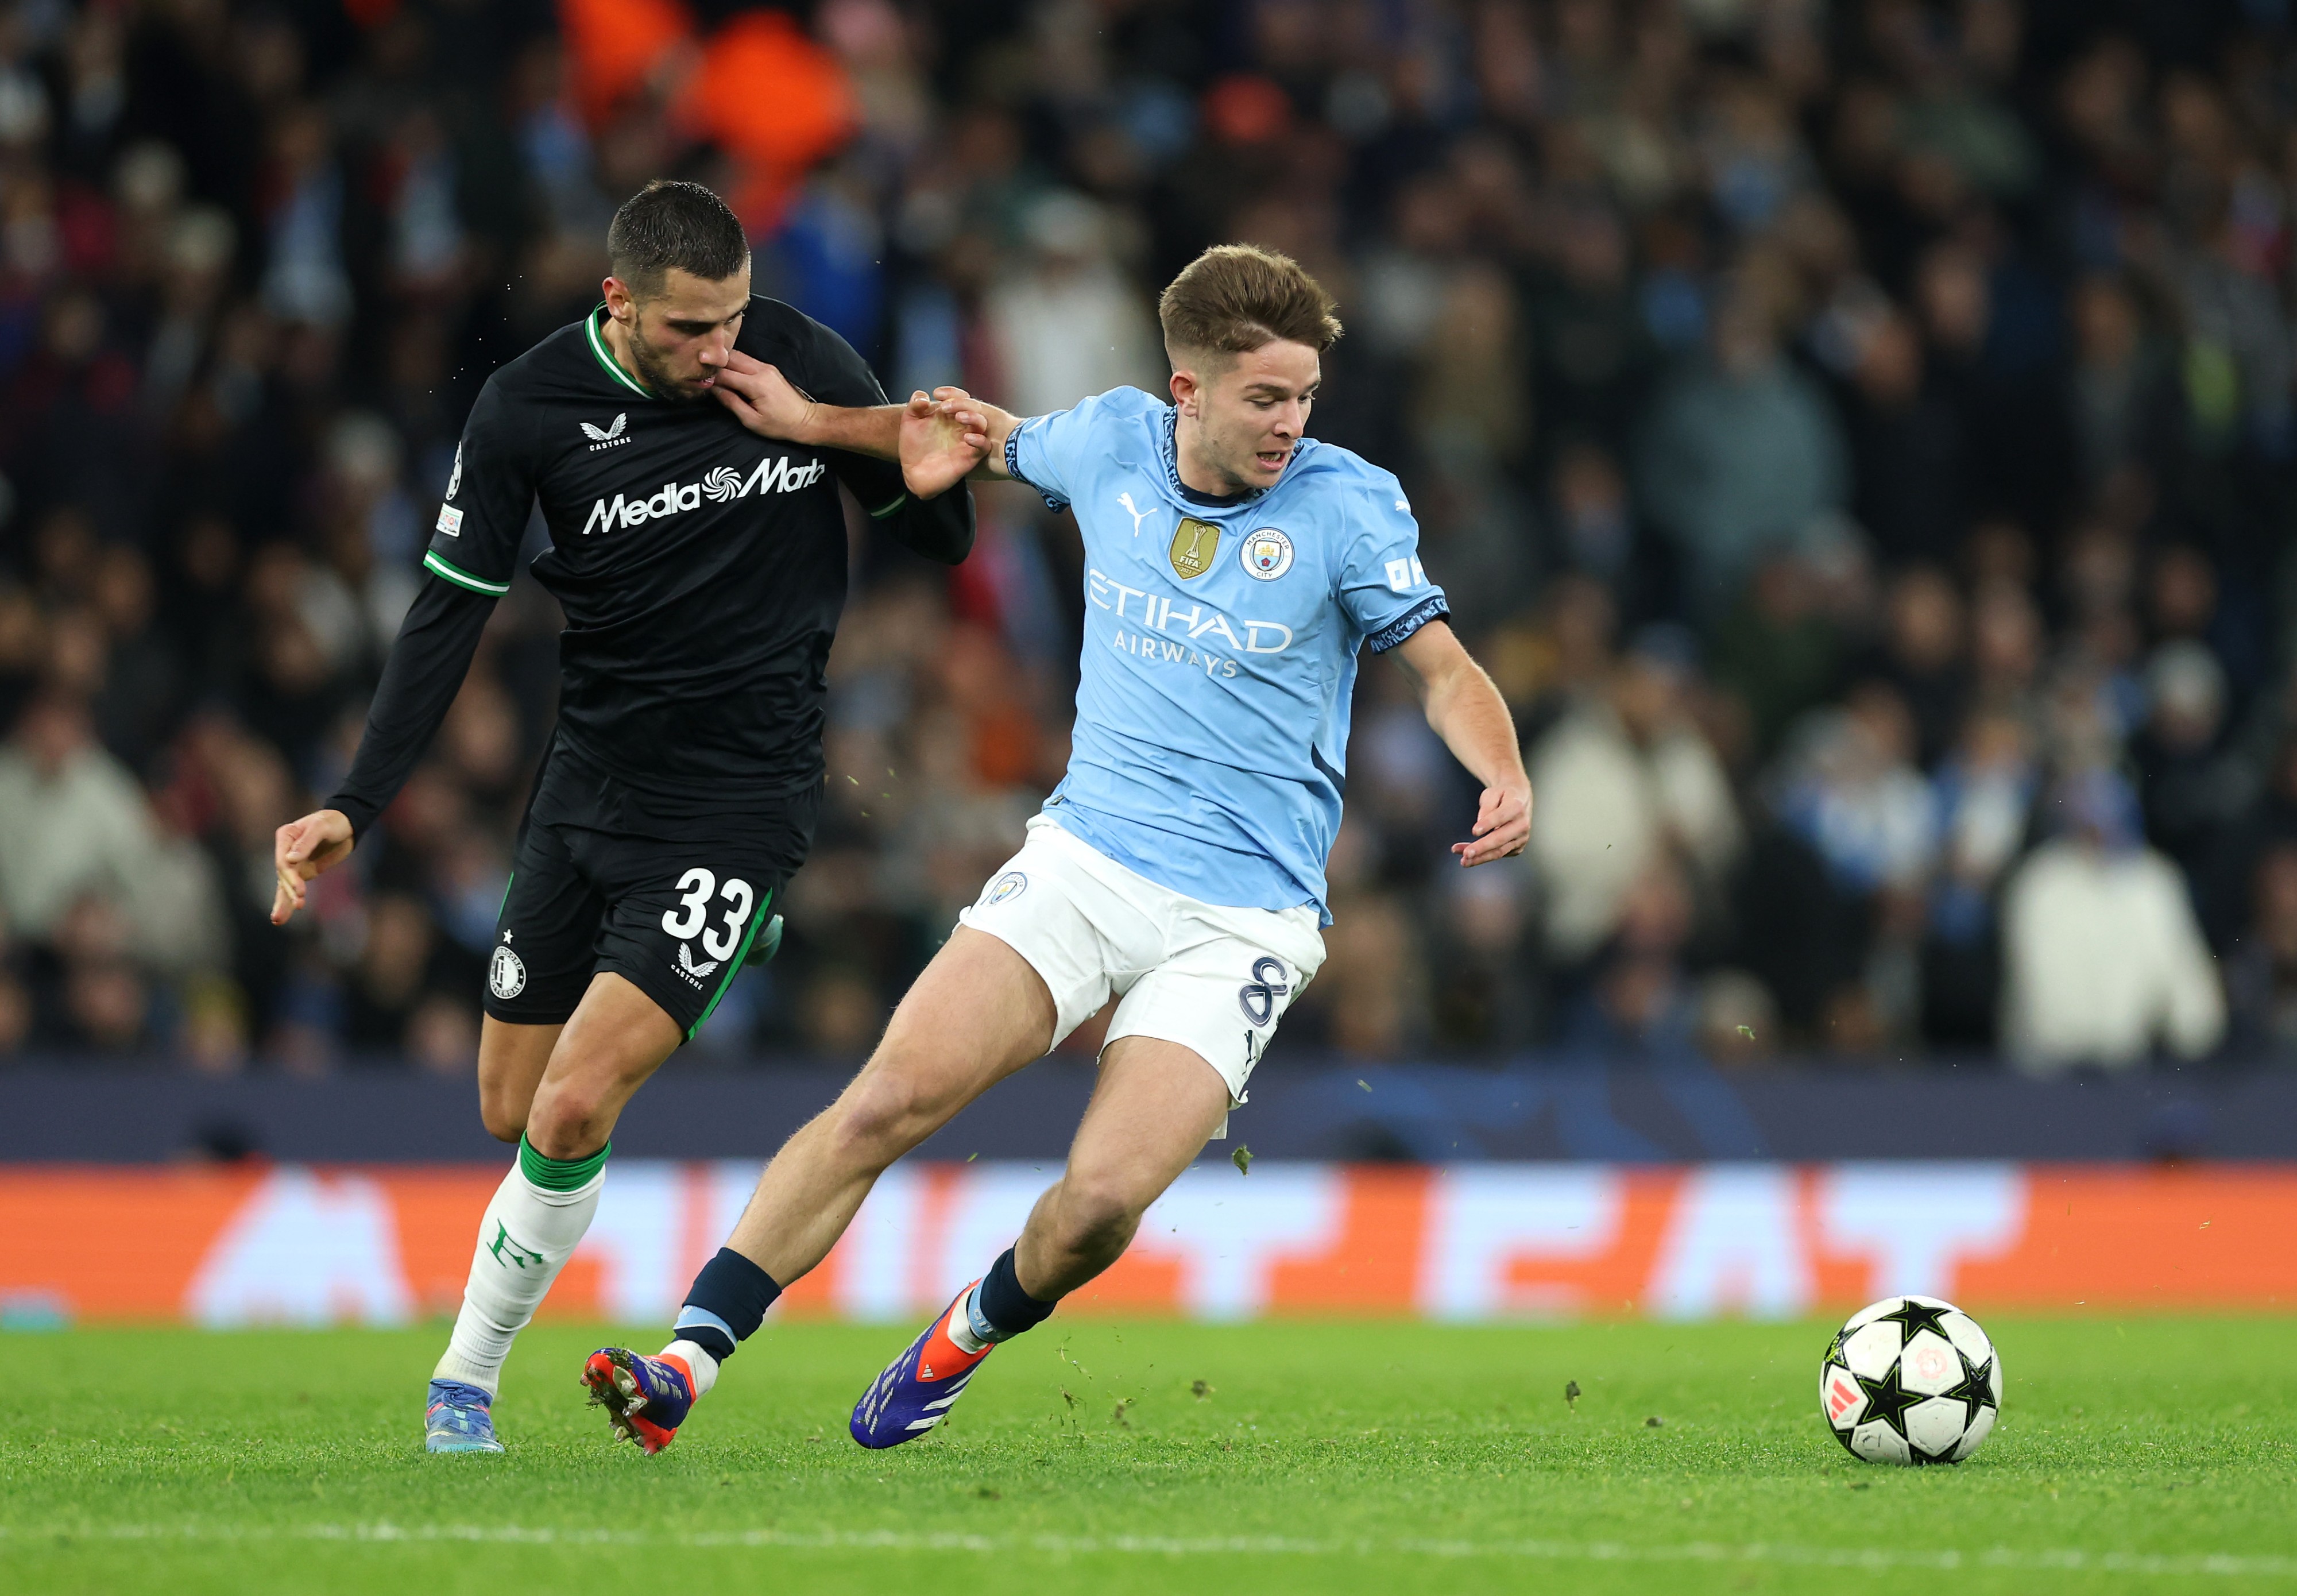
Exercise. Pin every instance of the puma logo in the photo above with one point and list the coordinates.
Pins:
(1138, 516)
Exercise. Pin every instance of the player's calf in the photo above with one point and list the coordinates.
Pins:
(1079, 1227)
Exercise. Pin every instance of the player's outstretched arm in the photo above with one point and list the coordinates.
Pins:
(773, 407)
(303, 849)
(930, 447)
(1467, 712)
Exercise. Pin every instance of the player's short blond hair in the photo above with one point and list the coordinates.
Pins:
(1236, 297)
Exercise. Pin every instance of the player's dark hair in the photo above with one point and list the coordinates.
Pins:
(671, 224)
(1235, 297)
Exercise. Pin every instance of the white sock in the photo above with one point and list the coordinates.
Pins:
(705, 1366)
(960, 1325)
(525, 1238)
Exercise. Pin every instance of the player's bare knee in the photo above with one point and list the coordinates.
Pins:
(504, 1117)
(504, 1107)
(1096, 1218)
(569, 1122)
(881, 1116)
(563, 1136)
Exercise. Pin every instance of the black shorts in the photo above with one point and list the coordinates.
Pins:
(674, 916)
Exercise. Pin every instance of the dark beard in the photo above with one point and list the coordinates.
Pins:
(655, 375)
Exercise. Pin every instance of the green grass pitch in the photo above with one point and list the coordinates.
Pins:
(2150, 1454)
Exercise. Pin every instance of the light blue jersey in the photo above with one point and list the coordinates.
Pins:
(1221, 639)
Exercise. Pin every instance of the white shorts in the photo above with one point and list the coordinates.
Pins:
(1212, 979)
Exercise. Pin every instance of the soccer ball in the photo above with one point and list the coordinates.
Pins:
(1910, 1379)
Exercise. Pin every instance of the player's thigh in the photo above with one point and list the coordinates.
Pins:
(618, 1037)
(977, 1013)
(512, 1059)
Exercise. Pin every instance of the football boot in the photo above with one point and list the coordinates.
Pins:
(459, 1418)
(646, 1399)
(917, 1389)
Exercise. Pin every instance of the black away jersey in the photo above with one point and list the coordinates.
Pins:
(701, 568)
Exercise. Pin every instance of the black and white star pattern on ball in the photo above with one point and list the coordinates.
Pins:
(1910, 1394)
(1912, 1316)
(1887, 1400)
(1977, 1387)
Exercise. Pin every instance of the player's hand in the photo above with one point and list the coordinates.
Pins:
(303, 849)
(937, 455)
(968, 414)
(1502, 826)
(983, 425)
(767, 402)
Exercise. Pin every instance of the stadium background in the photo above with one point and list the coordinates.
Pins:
(1858, 437)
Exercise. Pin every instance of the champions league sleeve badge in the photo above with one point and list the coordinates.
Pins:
(1267, 554)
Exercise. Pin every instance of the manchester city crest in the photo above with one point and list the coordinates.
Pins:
(1010, 885)
(1267, 554)
(1194, 548)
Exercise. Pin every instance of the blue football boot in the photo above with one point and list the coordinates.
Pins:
(919, 1388)
(646, 1399)
(459, 1418)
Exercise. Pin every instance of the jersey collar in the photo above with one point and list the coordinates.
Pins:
(597, 340)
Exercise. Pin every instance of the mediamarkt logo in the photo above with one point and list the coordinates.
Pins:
(776, 475)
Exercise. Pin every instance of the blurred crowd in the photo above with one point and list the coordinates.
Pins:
(1858, 437)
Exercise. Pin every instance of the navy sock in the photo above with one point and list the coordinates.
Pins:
(726, 1304)
(1005, 1310)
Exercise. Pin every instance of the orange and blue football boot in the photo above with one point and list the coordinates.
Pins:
(919, 1388)
(459, 1418)
(646, 1399)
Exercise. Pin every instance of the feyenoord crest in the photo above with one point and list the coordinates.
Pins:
(1194, 546)
(1267, 554)
(505, 973)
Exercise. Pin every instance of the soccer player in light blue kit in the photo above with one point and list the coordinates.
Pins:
(1235, 570)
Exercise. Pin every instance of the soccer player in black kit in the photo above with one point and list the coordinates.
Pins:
(700, 566)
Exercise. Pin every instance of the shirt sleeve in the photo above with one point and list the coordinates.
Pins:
(1383, 587)
(1042, 451)
(420, 679)
(939, 528)
(490, 495)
